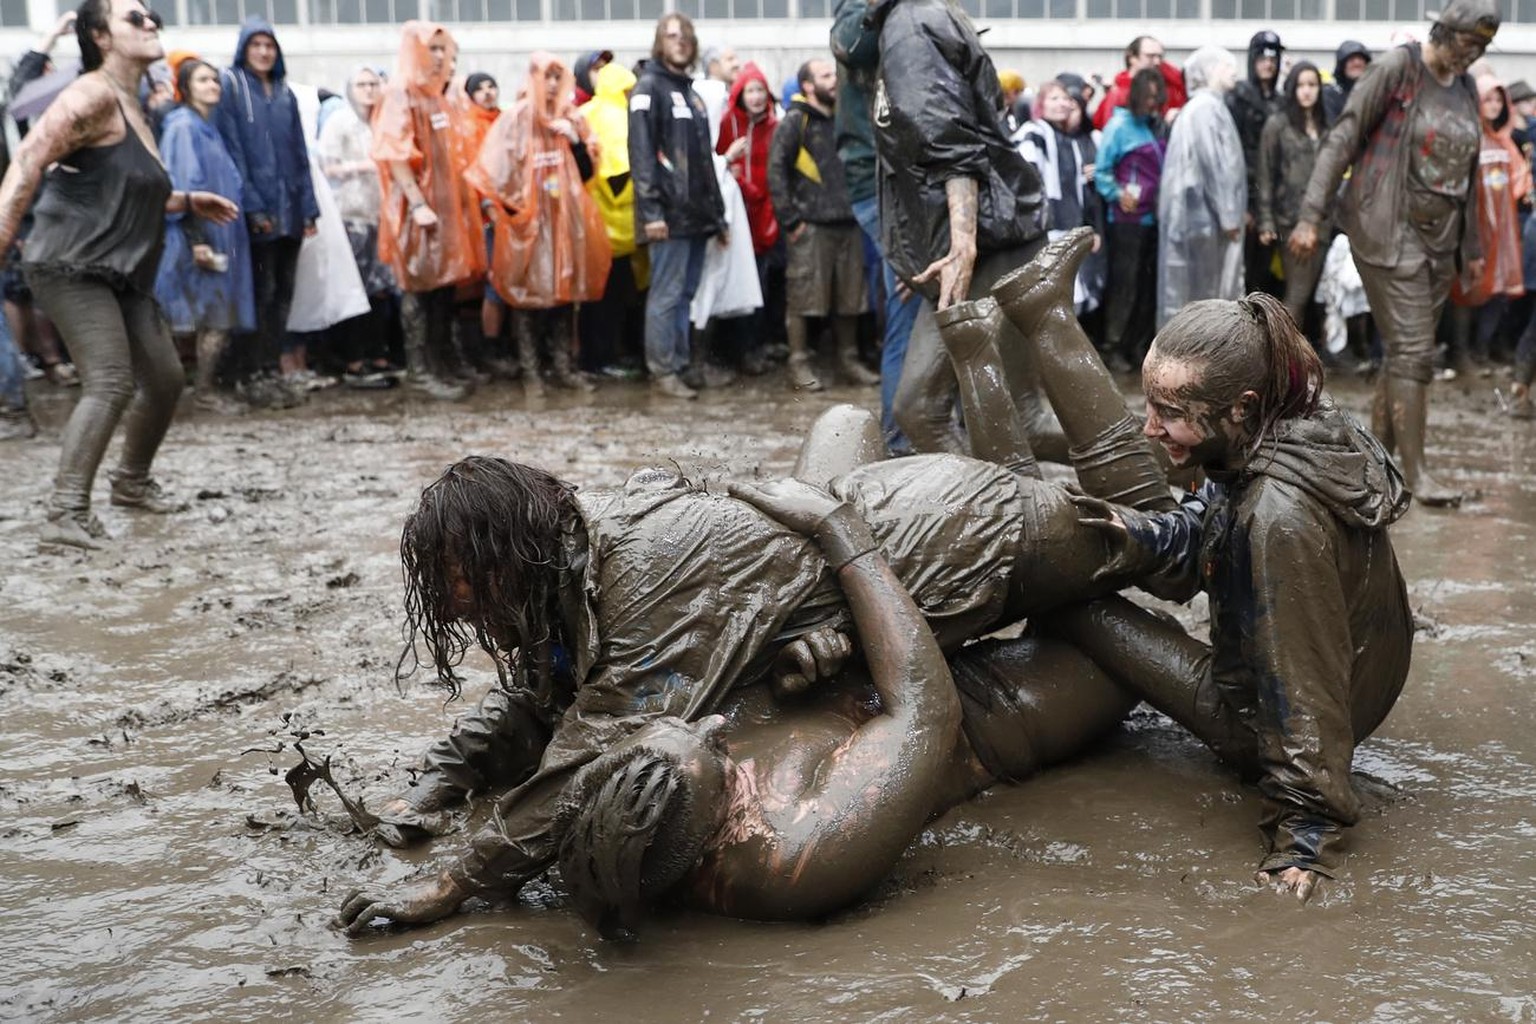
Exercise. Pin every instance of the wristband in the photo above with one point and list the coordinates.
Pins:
(844, 536)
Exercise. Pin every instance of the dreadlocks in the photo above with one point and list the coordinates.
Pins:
(496, 525)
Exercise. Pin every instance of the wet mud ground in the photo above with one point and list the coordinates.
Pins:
(153, 866)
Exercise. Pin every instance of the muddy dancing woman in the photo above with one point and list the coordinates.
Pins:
(601, 620)
(551, 248)
(1411, 130)
(91, 261)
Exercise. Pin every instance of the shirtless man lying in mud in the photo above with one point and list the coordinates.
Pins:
(607, 610)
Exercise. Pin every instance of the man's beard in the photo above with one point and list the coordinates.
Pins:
(826, 97)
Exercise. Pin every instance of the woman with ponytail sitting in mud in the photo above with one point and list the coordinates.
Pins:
(608, 610)
(1311, 630)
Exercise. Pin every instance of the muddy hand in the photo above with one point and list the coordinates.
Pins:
(401, 825)
(1299, 882)
(416, 903)
(815, 657)
(793, 504)
(1106, 519)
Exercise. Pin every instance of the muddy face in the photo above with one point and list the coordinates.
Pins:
(1184, 418)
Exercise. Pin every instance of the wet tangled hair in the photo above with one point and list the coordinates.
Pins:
(628, 832)
(1248, 345)
(498, 523)
(92, 17)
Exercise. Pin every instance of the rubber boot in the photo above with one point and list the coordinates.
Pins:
(527, 342)
(1106, 447)
(1410, 413)
(802, 373)
(562, 339)
(853, 369)
(422, 380)
(969, 331)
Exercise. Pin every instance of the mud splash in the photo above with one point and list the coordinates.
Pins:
(153, 871)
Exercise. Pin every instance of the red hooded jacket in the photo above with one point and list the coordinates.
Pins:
(751, 171)
(1119, 94)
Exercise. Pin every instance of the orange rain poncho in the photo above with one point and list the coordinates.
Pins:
(418, 124)
(1503, 179)
(551, 247)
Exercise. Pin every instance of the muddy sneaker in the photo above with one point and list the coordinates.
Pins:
(63, 375)
(435, 388)
(74, 529)
(17, 425)
(144, 494)
(367, 380)
(671, 387)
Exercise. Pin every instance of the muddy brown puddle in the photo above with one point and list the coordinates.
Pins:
(154, 867)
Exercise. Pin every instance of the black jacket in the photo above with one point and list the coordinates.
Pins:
(670, 157)
(938, 114)
(1250, 108)
(798, 197)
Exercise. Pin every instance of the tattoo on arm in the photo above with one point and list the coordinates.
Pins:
(81, 115)
(962, 194)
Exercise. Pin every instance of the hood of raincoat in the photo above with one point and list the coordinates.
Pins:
(543, 107)
(1504, 129)
(750, 72)
(583, 70)
(414, 69)
(256, 25)
(1265, 42)
(607, 114)
(363, 115)
(1347, 49)
(1335, 460)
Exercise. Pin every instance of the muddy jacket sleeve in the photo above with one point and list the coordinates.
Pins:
(1302, 655)
(496, 746)
(1163, 548)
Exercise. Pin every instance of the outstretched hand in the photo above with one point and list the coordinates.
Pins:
(793, 504)
(1299, 882)
(1105, 518)
(419, 902)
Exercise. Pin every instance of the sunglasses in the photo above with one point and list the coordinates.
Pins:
(138, 19)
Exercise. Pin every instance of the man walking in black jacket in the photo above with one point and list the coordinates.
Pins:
(959, 205)
(826, 254)
(677, 197)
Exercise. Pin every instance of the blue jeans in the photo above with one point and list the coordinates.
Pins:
(676, 266)
(899, 316)
(13, 374)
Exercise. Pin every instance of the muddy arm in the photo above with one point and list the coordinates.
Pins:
(874, 795)
(496, 746)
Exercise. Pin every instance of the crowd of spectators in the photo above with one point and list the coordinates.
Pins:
(422, 226)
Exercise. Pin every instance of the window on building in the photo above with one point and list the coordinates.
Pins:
(362, 12)
(1152, 10)
(13, 14)
(169, 10)
(233, 12)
